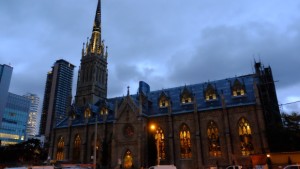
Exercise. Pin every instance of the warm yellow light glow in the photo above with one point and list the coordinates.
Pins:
(268, 155)
(153, 127)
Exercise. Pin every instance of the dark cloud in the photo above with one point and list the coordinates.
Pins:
(164, 44)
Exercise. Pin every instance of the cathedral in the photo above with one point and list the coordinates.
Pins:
(209, 124)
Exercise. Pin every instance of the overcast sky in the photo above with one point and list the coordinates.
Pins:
(166, 43)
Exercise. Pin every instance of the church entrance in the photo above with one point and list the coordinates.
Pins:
(128, 160)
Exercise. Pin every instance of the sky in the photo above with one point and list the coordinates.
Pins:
(162, 42)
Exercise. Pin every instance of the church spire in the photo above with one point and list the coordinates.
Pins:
(92, 75)
(96, 46)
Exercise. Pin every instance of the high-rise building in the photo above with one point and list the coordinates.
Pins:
(5, 77)
(14, 121)
(57, 95)
(203, 125)
(32, 123)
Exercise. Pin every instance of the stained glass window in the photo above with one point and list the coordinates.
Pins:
(160, 137)
(76, 148)
(245, 135)
(213, 139)
(60, 149)
(185, 142)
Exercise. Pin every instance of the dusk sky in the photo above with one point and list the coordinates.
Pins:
(162, 42)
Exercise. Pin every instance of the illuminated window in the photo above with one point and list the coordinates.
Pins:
(185, 142)
(128, 160)
(210, 93)
(245, 135)
(87, 113)
(76, 148)
(60, 149)
(163, 100)
(213, 139)
(238, 89)
(186, 96)
(160, 137)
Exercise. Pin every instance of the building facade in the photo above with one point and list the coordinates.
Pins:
(14, 121)
(57, 96)
(32, 123)
(5, 77)
(216, 123)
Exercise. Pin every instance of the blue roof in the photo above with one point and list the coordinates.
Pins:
(152, 108)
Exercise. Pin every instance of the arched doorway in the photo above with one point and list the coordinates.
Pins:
(128, 160)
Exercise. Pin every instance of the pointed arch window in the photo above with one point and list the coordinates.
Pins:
(186, 96)
(160, 137)
(238, 89)
(185, 142)
(245, 134)
(87, 113)
(60, 149)
(210, 93)
(163, 101)
(214, 147)
(128, 160)
(76, 148)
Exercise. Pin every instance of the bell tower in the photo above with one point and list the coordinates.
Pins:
(92, 73)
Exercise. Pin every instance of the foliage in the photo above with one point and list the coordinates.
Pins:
(29, 152)
(286, 138)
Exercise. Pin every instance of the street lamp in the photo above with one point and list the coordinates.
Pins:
(103, 112)
(95, 142)
(158, 140)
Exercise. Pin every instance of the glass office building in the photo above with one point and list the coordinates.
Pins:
(5, 77)
(14, 120)
(33, 118)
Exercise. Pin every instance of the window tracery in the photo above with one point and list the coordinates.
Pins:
(245, 135)
(76, 148)
(160, 137)
(60, 149)
(185, 142)
(213, 139)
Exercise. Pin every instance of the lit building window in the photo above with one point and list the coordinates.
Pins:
(163, 100)
(60, 149)
(186, 96)
(210, 93)
(185, 142)
(238, 89)
(245, 135)
(76, 148)
(213, 139)
(159, 136)
(128, 160)
(87, 113)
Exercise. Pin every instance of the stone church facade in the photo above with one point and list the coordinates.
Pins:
(216, 123)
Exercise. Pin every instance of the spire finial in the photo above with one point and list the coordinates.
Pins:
(128, 90)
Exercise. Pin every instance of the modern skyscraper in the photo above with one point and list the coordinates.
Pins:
(5, 77)
(57, 96)
(13, 129)
(33, 114)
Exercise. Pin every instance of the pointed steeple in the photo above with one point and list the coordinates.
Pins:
(97, 21)
(92, 75)
(96, 46)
